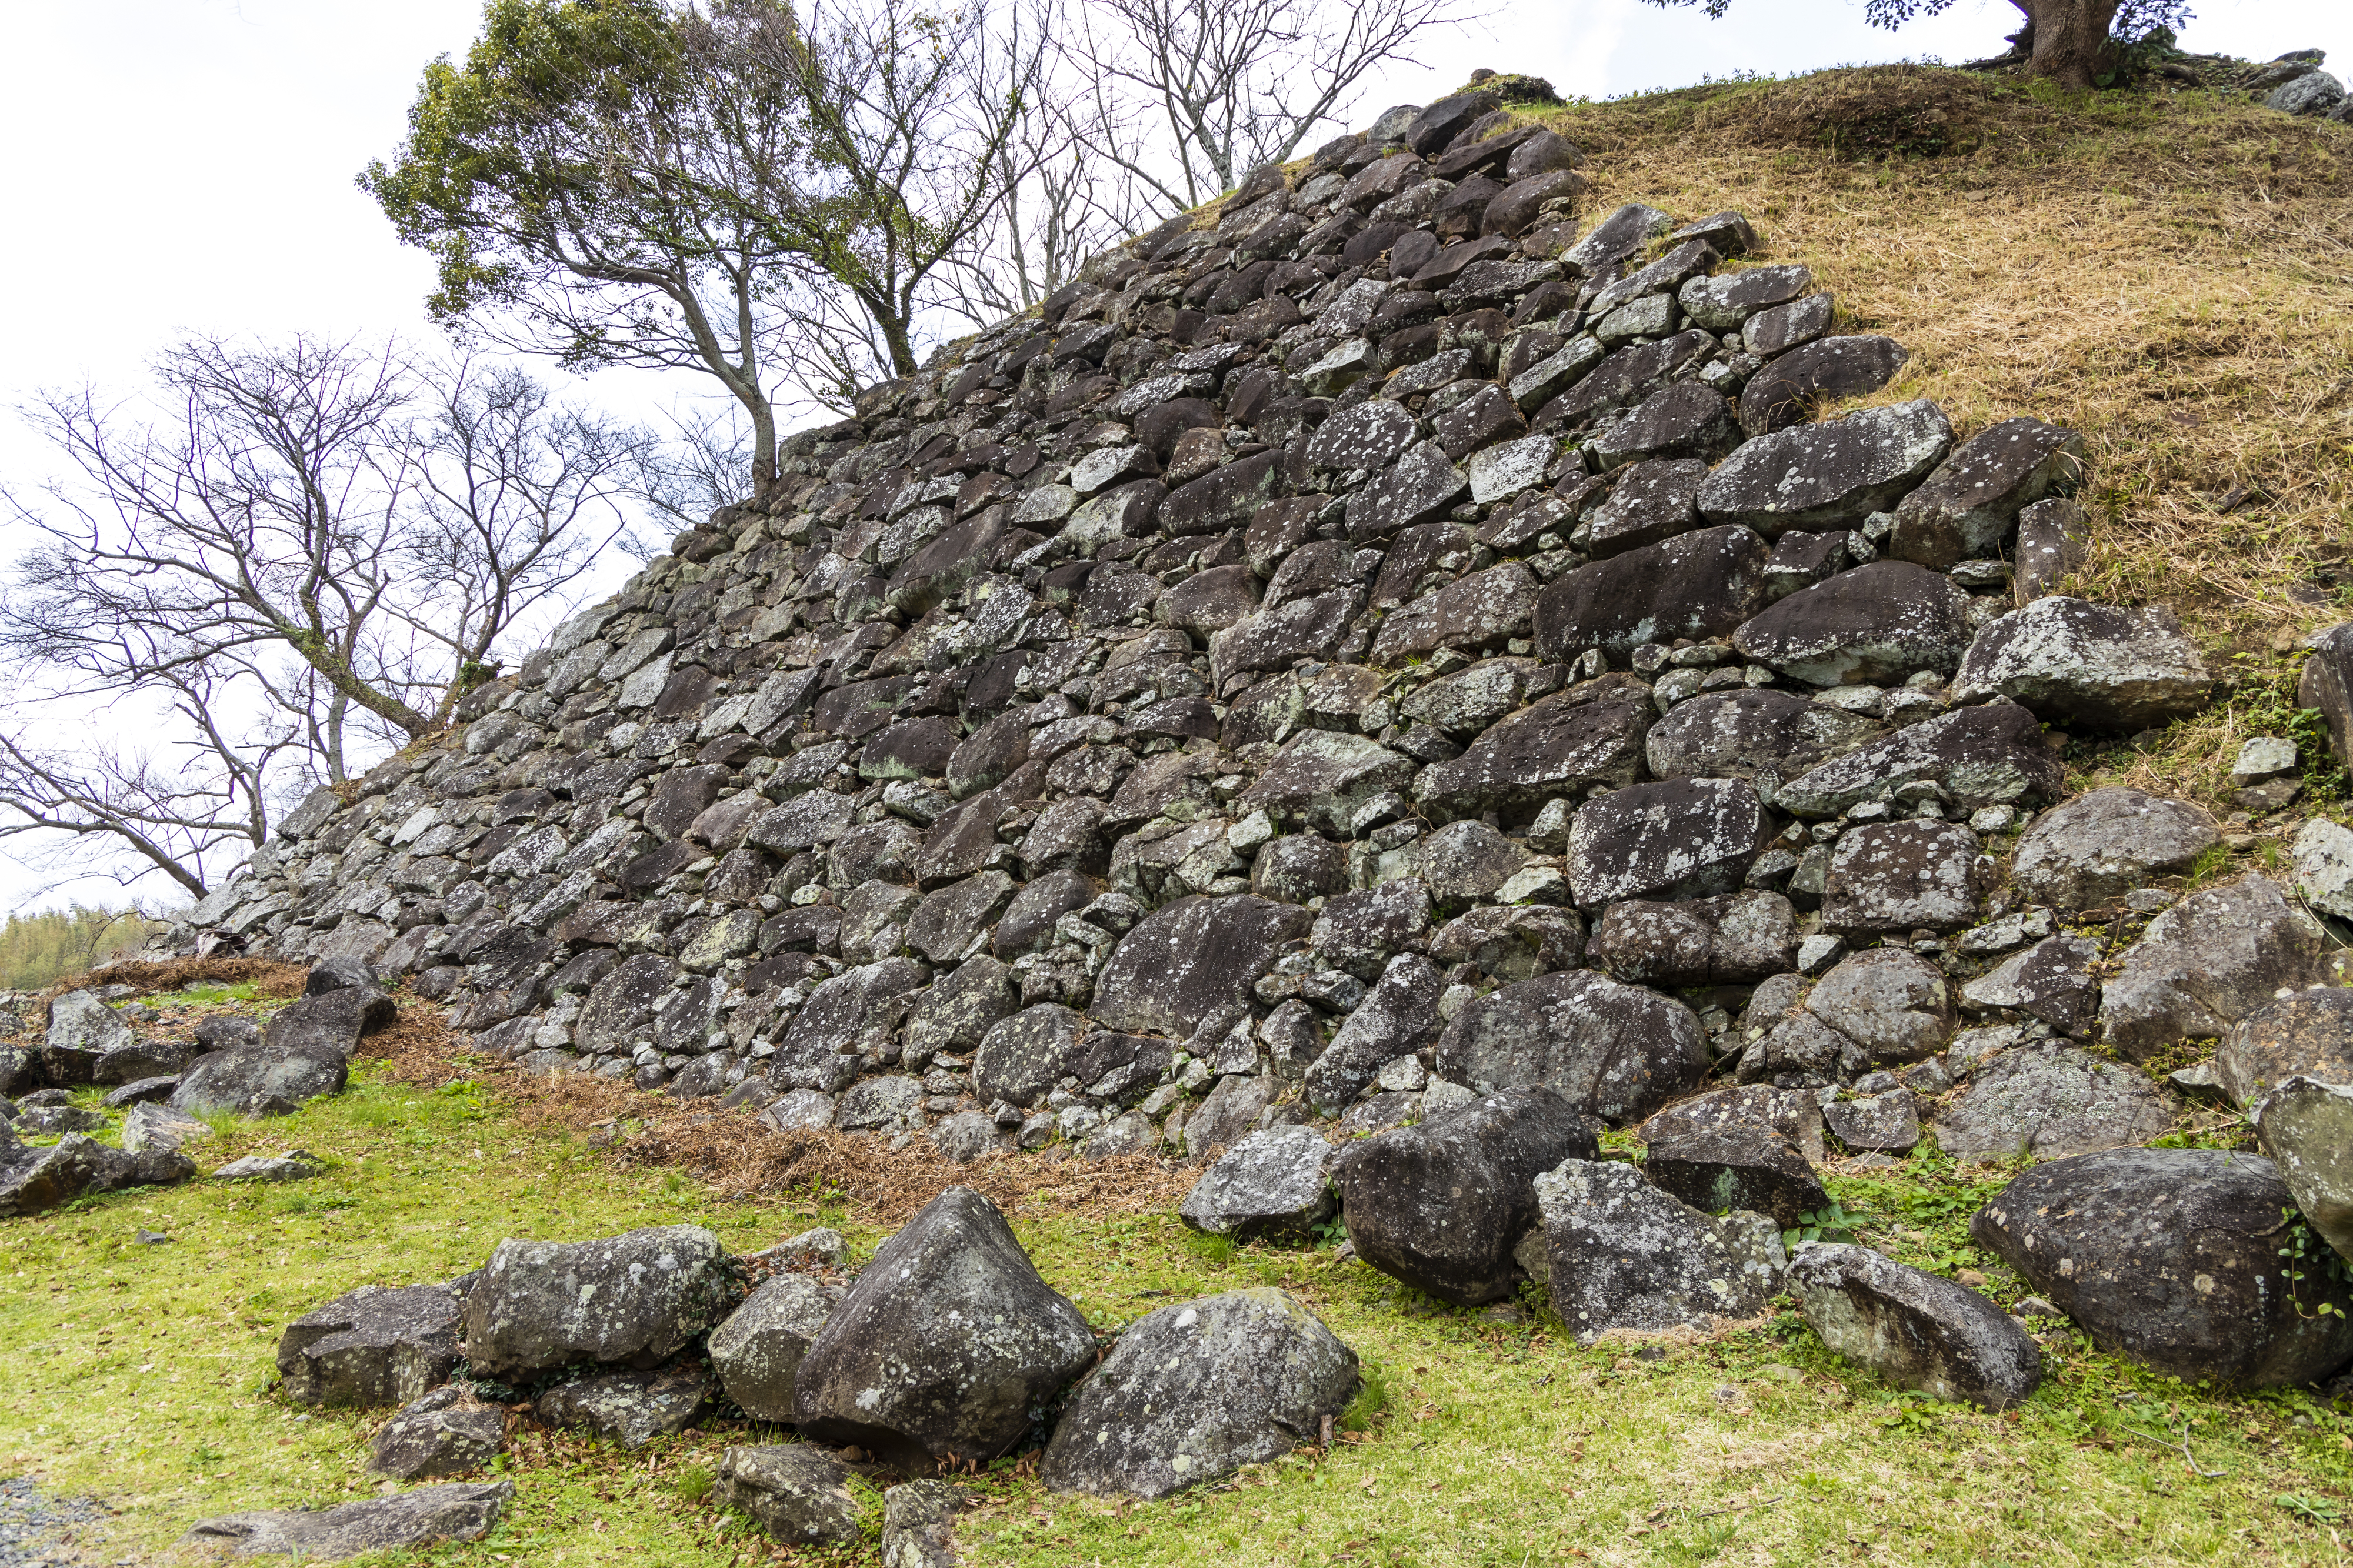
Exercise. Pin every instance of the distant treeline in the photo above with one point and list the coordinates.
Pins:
(36, 948)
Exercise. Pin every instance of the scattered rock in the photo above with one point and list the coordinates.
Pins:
(2172, 1256)
(797, 1492)
(943, 1343)
(632, 1408)
(1440, 1205)
(1193, 1392)
(375, 1345)
(1914, 1329)
(445, 1432)
(461, 1510)
(757, 1351)
(1619, 1254)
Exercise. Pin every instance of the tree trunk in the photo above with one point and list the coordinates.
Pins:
(763, 446)
(2071, 38)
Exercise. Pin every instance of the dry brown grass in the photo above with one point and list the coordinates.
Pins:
(2171, 274)
(267, 976)
(731, 1153)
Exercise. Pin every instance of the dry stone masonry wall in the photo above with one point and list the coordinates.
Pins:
(1398, 641)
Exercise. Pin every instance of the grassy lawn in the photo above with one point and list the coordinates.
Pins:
(145, 1374)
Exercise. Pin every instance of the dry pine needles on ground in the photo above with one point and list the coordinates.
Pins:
(736, 1156)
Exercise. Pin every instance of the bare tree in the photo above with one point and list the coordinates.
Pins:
(514, 498)
(915, 122)
(1229, 84)
(298, 551)
(201, 806)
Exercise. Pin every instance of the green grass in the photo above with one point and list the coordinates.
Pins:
(145, 1374)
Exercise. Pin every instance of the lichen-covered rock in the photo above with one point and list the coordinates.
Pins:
(797, 1492)
(1730, 939)
(2173, 1256)
(373, 1345)
(1561, 745)
(1193, 1392)
(2305, 1125)
(2052, 981)
(636, 1299)
(1197, 956)
(2305, 1034)
(1698, 584)
(1272, 1183)
(1680, 838)
(1442, 1205)
(2074, 662)
(2106, 842)
(1619, 1254)
(1762, 735)
(1914, 1329)
(459, 1510)
(757, 1351)
(1961, 512)
(1888, 877)
(82, 1029)
(445, 1432)
(1991, 755)
(941, 1344)
(1885, 621)
(1893, 1004)
(1615, 1051)
(2051, 1101)
(2205, 964)
(1834, 473)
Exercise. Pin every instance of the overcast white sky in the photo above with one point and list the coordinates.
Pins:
(179, 165)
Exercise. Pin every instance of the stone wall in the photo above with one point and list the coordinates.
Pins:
(1398, 637)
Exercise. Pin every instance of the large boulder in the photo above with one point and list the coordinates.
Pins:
(797, 1492)
(1832, 474)
(2305, 1034)
(81, 1030)
(1193, 1392)
(2052, 981)
(636, 1299)
(1680, 838)
(1964, 509)
(944, 1343)
(375, 1345)
(2074, 662)
(2050, 1101)
(1615, 1051)
(2206, 962)
(2307, 1126)
(1197, 956)
(2103, 844)
(1697, 584)
(1617, 1253)
(1763, 735)
(256, 1081)
(1992, 755)
(340, 1002)
(757, 1351)
(1271, 1184)
(1561, 745)
(1884, 622)
(1912, 1328)
(1793, 385)
(448, 1432)
(459, 1510)
(1441, 1204)
(2173, 1256)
